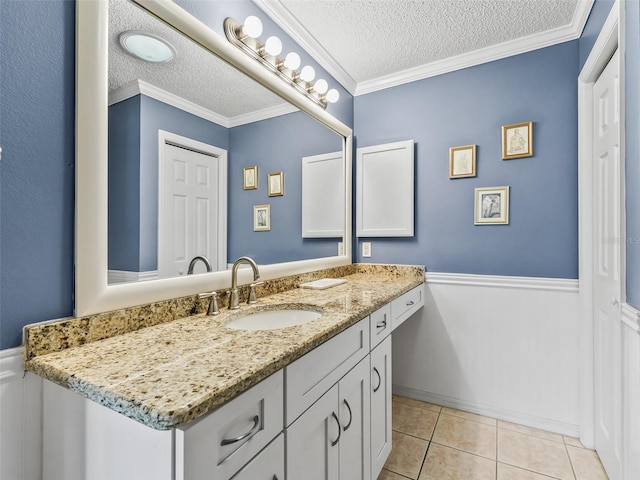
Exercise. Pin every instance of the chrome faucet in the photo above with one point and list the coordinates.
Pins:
(233, 298)
(195, 260)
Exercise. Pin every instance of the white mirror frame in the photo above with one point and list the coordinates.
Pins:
(92, 292)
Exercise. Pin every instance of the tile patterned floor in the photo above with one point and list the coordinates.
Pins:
(439, 443)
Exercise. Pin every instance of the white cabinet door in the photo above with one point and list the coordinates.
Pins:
(312, 441)
(380, 406)
(268, 464)
(355, 462)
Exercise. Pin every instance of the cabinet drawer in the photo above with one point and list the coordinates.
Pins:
(309, 377)
(380, 323)
(406, 305)
(220, 443)
(268, 465)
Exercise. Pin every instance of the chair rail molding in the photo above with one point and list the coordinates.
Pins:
(500, 281)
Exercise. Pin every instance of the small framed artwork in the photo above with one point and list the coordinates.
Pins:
(261, 218)
(250, 177)
(517, 140)
(462, 161)
(492, 206)
(276, 184)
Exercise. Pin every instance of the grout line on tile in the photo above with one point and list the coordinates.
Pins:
(573, 470)
(527, 470)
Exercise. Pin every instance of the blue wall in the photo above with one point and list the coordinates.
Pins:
(277, 144)
(37, 167)
(133, 174)
(632, 150)
(124, 185)
(469, 107)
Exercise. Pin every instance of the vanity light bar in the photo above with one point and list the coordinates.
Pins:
(245, 38)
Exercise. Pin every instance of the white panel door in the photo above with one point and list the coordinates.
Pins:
(188, 212)
(608, 244)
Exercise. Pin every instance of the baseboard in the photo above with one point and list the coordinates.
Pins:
(506, 415)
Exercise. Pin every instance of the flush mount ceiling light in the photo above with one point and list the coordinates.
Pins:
(147, 46)
(246, 38)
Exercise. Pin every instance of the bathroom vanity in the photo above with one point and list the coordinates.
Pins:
(195, 399)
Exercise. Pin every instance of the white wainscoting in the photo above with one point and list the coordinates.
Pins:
(20, 419)
(507, 347)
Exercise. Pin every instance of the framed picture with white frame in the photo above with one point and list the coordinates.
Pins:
(492, 206)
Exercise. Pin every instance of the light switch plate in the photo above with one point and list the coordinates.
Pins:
(366, 249)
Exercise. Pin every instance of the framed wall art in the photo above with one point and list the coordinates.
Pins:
(492, 206)
(276, 184)
(462, 161)
(250, 177)
(517, 140)
(261, 218)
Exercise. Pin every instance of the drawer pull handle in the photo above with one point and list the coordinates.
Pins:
(410, 302)
(334, 443)
(379, 380)
(346, 427)
(382, 324)
(254, 429)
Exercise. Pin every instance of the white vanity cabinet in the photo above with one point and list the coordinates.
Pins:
(84, 440)
(326, 415)
(330, 441)
(217, 445)
(406, 305)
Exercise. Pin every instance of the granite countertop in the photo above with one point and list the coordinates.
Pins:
(167, 375)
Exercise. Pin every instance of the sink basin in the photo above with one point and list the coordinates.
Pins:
(273, 319)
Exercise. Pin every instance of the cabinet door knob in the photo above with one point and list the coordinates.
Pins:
(379, 380)
(254, 429)
(335, 417)
(346, 427)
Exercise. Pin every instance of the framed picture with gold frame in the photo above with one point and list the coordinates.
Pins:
(250, 177)
(276, 184)
(462, 161)
(261, 218)
(517, 140)
(492, 206)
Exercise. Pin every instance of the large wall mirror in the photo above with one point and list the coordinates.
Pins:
(145, 130)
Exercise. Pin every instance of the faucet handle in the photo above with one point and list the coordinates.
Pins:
(213, 303)
(252, 293)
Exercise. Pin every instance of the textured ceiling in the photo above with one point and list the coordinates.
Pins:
(359, 42)
(194, 74)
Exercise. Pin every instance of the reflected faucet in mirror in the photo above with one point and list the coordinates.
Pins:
(196, 259)
(233, 299)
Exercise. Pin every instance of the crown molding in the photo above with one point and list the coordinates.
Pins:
(138, 87)
(263, 114)
(277, 12)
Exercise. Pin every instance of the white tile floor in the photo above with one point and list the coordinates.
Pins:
(439, 443)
